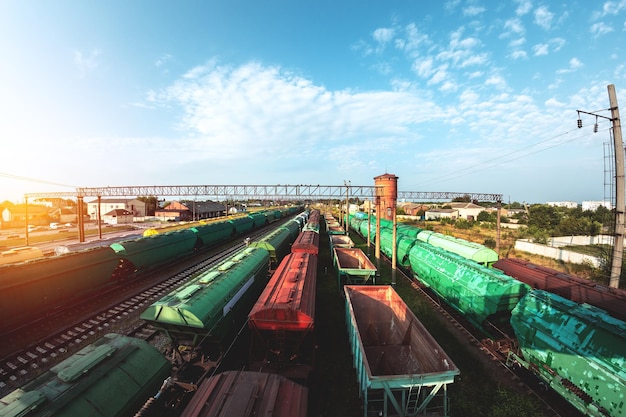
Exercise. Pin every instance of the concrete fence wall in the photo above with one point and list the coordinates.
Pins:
(555, 252)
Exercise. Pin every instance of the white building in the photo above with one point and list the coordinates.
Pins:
(467, 211)
(136, 207)
(593, 205)
(441, 213)
(566, 204)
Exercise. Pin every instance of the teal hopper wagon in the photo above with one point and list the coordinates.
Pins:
(401, 370)
(353, 266)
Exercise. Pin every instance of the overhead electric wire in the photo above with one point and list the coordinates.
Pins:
(20, 178)
(488, 163)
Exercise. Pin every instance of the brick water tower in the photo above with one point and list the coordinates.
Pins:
(386, 187)
(386, 195)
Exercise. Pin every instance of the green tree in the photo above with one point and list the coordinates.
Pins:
(485, 216)
(152, 203)
(544, 217)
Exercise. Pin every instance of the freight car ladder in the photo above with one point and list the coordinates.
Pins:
(413, 401)
(281, 341)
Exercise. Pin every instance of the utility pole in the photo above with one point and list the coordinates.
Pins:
(346, 224)
(620, 185)
(620, 202)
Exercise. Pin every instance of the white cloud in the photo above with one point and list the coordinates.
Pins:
(496, 81)
(162, 60)
(540, 49)
(517, 42)
(473, 10)
(553, 103)
(574, 64)
(383, 35)
(557, 43)
(600, 28)
(414, 38)
(440, 74)
(88, 63)
(519, 54)
(524, 6)
(513, 26)
(610, 8)
(255, 111)
(543, 17)
(451, 4)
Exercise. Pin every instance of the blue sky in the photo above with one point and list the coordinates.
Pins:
(459, 95)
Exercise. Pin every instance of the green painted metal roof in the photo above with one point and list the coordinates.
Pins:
(201, 302)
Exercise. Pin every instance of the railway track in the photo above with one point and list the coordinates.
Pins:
(91, 321)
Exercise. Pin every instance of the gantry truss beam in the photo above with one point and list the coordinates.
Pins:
(261, 192)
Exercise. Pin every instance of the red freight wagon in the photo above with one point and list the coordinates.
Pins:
(248, 394)
(307, 241)
(282, 320)
(580, 290)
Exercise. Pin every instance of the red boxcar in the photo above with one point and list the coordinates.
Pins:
(580, 290)
(282, 320)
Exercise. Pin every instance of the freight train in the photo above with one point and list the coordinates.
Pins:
(611, 300)
(577, 349)
(115, 375)
(120, 376)
(32, 289)
(282, 321)
(202, 312)
(111, 377)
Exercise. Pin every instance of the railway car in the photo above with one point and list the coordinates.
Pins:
(243, 224)
(307, 241)
(575, 348)
(368, 226)
(90, 244)
(478, 292)
(206, 306)
(30, 290)
(248, 394)
(353, 267)
(259, 219)
(580, 290)
(109, 378)
(469, 250)
(153, 251)
(340, 241)
(355, 223)
(276, 243)
(408, 230)
(293, 227)
(404, 244)
(282, 319)
(401, 370)
(22, 254)
(210, 234)
(302, 218)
